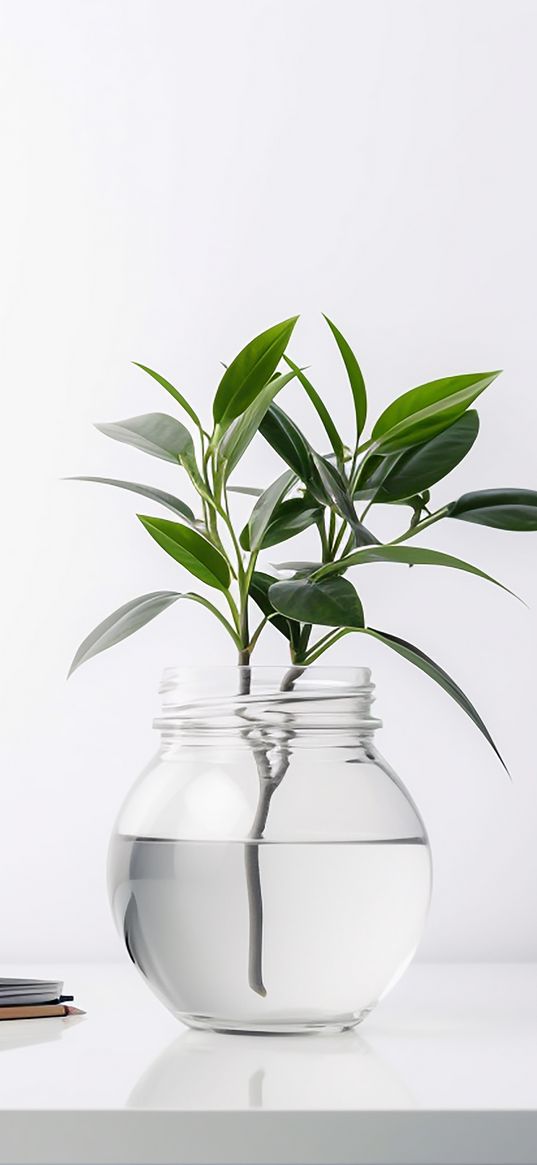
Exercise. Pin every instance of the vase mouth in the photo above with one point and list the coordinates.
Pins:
(356, 677)
(285, 696)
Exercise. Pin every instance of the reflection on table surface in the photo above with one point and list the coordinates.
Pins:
(23, 1033)
(204, 1070)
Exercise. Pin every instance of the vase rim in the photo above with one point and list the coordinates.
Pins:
(261, 675)
(230, 694)
(350, 669)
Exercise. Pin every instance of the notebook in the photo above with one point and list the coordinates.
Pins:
(27, 992)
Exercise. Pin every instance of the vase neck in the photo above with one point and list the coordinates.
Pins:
(289, 700)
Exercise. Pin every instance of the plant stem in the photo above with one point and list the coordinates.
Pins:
(303, 641)
(322, 645)
(234, 610)
(331, 534)
(324, 639)
(292, 674)
(338, 540)
(245, 632)
(253, 877)
(270, 777)
(244, 673)
(324, 541)
(348, 546)
(247, 646)
(222, 619)
(356, 467)
(257, 632)
(436, 517)
(236, 544)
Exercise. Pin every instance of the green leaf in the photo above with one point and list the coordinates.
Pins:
(300, 567)
(259, 591)
(424, 663)
(250, 490)
(155, 433)
(135, 614)
(123, 622)
(177, 396)
(373, 471)
(427, 410)
(334, 493)
(333, 602)
(290, 518)
(422, 466)
(322, 412)
(407, 556)
(330, 486)
(191, 549)
(287, 441)
(147, 491)
(241, 432)
(505, 509)
(265, 506)
(249, 372)
(354, 374)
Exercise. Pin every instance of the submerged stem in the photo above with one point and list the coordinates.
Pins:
(244, 672)
(253, 881)
(270, 773)
(269, 779)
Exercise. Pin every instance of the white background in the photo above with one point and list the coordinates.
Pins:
(175, 178)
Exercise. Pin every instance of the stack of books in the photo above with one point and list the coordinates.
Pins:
(34, 999)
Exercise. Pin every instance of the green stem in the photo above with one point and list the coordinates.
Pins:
(436, 517)
(349, 545)
(222, 619)
(323, 644)
(212, 508)
(303, 641)
(315, 646)
(246, 646)
(353, 465)
(234, 611)
(339, 539)
(234, 539)
(245, 631)
(257, 632)
(324, 541)
(331, 534)
(357, 467)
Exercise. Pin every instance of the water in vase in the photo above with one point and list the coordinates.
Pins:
(340, 923)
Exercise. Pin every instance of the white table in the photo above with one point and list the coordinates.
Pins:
(443, 1072)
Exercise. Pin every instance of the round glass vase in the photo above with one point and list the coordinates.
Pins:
(268, 871)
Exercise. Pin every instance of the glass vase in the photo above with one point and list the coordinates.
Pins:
(268, 871)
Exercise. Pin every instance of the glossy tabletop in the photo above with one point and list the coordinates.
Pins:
(443, 1072)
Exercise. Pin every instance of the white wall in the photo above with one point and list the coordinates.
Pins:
(177, 176)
